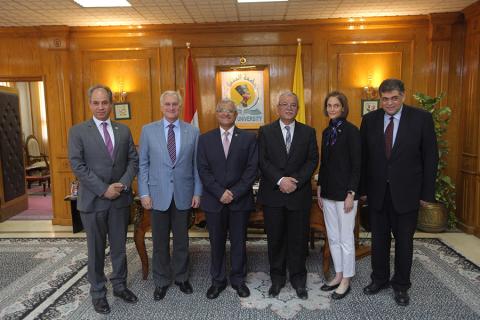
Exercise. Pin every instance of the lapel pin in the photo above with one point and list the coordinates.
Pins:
(339, 131)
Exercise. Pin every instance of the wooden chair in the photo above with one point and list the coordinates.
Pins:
(35, 160)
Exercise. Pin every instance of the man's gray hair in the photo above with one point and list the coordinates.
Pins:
(171, 93)
(100, 86)
(287, 94)
(224, 102)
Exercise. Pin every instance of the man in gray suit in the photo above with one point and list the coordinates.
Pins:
(103, 158)
(169, 185)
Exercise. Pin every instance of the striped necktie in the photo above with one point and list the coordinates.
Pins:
(172, 149)
(288, 138)
(108, 139)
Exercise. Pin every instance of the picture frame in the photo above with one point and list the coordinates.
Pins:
(121, 111)
(248, 87)
(369, 105)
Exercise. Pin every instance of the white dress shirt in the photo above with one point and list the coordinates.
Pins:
(99, 125)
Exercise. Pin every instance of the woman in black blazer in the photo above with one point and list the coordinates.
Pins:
(338, 182)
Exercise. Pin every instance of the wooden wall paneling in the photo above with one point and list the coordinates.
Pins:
(280, 60)
(56, 68)
(350, 66)
(20, 57)
(446, 57)
(133, 71)
(469, 193)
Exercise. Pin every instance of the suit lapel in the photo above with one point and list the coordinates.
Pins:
(279, 136)
(116, 134)
(97, 137)
(379, 130)
(402, 130)
(162, 141)
(233, 143)
(297, 132)
(183, 139)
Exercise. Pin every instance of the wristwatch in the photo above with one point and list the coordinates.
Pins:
(351, 192)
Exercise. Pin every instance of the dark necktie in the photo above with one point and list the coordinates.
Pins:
(108, 139)
(389, 138)
(172, 149)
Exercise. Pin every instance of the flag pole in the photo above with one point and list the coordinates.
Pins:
(298, 83)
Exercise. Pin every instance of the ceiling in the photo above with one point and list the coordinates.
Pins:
(142, 12)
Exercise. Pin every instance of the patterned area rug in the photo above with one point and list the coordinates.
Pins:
(46, 279)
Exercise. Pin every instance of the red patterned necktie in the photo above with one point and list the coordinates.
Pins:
(172, 150)
(108, 139)
(389, 138)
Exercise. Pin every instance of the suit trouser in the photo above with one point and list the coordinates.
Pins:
(236, 223)
(383, 223)
(114, 223)
(162, 222)
(287, 235)
(341, 240)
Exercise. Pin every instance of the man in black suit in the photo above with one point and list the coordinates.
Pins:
(399, 166)
(227, 162)
(288, 155)
(103, 158)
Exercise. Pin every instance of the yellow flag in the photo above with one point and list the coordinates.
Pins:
(298, 84)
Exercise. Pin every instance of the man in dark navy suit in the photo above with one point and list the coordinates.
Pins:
(399, 166)
(288, 155)
(227, 164)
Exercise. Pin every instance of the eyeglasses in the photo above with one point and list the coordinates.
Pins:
(394, 99)
(223, 110)
(288, 105)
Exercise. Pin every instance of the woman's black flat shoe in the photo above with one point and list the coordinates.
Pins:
(338, 296)
(326, 287)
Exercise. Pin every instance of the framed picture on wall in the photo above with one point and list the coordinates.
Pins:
(249, 89)
(121, 111)
(369, 105)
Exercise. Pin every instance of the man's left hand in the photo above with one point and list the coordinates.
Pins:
(195, 202)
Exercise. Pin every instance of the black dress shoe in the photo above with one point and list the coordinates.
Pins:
(101, 305)
(338, 296)
(302, 293)
(274, 290)
(242, 290)
(126, 295)
(401, 297)
(326, 287)
(185, 287)
(214, 291)
(374, 288)
(160, 293)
